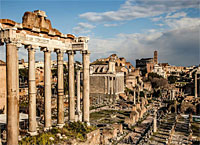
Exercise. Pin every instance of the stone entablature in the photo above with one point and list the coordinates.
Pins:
(36, 30)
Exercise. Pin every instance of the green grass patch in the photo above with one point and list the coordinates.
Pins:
(75, 130)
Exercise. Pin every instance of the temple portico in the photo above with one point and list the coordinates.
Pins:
(36, 33)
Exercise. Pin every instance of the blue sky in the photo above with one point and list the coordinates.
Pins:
(131, 28)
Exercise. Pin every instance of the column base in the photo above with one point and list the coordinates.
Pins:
(70, 121)
(33, 133)
(60, 125)
(88, 123)
(78, 116)
(19, 137)
(47, 128)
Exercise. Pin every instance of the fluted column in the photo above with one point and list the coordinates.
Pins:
(78, 95)
(47, 87)
(60, 90)
(86, 86)
(71, 86)
(195, 86)
(12, 98)
(32, 91)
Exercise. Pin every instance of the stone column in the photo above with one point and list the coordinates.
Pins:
(114, 88)
(117, 87)
(47, 87)
(71, 86)
(31, 91)
(155, 121)
(78, 95)
(86, 86)
(60, 90)
(195, 86)
(111, 86)
(12, 98)
(18, 87)
(108, 85)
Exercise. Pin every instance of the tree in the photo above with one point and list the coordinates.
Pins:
(23, 74)
(172, 79)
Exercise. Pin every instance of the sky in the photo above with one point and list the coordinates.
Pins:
(130, 28)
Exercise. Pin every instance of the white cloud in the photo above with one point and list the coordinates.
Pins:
(155, 19)
(176, 15)
(133, 9)
(177, 47)
(83, 28)
(182, 23)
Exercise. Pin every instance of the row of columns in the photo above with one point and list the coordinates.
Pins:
(111, 82)
(13, 90)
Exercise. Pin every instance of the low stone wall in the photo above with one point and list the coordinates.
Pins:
(93, 138)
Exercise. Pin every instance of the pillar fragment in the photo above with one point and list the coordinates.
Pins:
(86, 86)
(12, 98)
(60, 90)
(71, 86)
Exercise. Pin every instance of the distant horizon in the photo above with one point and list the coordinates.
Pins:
(26, 61)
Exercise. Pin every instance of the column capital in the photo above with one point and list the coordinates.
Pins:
(45, 49)
(13, 41)
(85, 52)
(31, 47)
(59, 51)
(71, 52)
